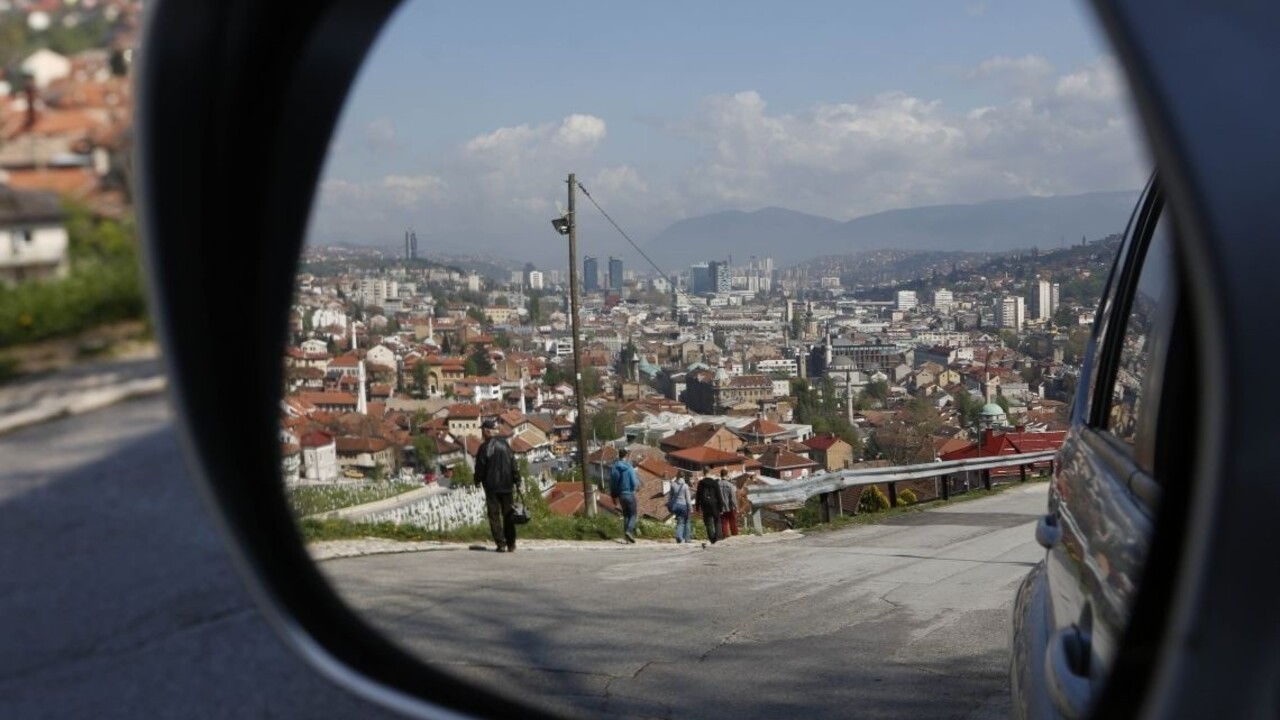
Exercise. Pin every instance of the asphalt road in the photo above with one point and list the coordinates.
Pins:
(906, 619)
(117, 599)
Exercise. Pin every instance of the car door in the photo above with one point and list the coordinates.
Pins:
(1104, 499)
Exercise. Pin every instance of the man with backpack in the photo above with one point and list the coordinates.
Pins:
(623, 485)
(708, 499)
(497, 473)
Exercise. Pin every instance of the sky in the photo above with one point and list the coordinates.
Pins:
(467, 117)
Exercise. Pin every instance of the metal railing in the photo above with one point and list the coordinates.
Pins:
(798, 491)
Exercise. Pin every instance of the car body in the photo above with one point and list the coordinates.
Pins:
(1156, 594)
(1073, 609)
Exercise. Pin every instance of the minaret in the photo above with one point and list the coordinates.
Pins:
(361, 406)
(355, 344)
(523, 409)
(431, 330)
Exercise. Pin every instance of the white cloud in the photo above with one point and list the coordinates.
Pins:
(1048, 132)
(1053, 134)
(380, 135)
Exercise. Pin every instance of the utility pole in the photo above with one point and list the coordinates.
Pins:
(588, 489)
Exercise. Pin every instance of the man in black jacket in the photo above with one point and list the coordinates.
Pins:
(497, 473)
(708, 500)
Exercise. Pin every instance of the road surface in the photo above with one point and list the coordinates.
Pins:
(904, 619)
(117, 599)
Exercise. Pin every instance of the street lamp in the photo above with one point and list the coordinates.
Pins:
(567, 224)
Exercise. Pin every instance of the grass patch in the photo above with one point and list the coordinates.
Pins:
(543, 525)
(546, 525)
(315, 499)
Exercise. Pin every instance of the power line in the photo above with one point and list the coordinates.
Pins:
(672, 283)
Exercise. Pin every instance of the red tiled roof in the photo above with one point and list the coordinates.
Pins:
(315, 438)
(704, 455)
(362, 444)
(822, 442)
(777, 458)
(762, 428)
(464, 411)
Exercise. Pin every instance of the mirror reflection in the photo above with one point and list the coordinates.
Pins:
(595, 298)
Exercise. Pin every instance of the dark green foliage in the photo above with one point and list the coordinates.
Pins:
(873, 500)
(104, 285)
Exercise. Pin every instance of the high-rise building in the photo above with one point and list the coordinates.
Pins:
(590, 274)
(1046, 299)
(1010, 312)
(906, 300)
(535, 280)
(615, 273)
(719, 280)
(700, 279)
(943, 300)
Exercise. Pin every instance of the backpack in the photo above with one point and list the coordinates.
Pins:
(615, 479)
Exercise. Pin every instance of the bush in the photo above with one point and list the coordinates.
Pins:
(873, 500)
(907, 496)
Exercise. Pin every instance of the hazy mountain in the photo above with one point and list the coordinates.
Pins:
(736, 233)
(996, 226)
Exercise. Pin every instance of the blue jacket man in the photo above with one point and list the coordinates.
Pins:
(623, 485)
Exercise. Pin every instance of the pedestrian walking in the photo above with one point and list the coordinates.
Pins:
(679, 502)
(728, 506)
(499, 476)
(708, 499)
(623, 485)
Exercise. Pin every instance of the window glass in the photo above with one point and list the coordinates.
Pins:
(1154, 288)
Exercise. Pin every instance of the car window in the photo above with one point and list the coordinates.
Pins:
(1144, 321)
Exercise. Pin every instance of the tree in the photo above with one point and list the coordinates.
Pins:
(535, 309)
(419, 374)
(476, 314)
(878, 390)
(462, 474)
(1003, 402)
(967, 406)
(590, 381)
(424, 450)
(478, 363)
(604, 424)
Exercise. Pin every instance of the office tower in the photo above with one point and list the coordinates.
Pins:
(615, 273)
(700, 279)
(590, 274)
(906, 300)
(1010, 312)
(943, 300)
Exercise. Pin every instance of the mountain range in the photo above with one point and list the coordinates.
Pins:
(792, 237)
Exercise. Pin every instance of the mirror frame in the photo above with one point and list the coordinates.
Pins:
(237, 100)
(236, 103)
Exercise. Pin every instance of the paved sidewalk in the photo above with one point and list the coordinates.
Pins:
(79, 389)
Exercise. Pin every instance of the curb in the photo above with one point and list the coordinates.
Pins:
(52, 408)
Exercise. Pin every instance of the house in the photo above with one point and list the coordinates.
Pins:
(381, 355)
(319, 456)
(290, 462)
(366, 454)
(703, 434)
(761, 430)
(463, 420)
(830, 452)
(994, 444)
(330, 401)
(702, 460)
(780, 463)
(33, 241)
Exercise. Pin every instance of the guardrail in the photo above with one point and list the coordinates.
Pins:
(798, 491)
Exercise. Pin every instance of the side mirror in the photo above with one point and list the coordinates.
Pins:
(237, 101)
